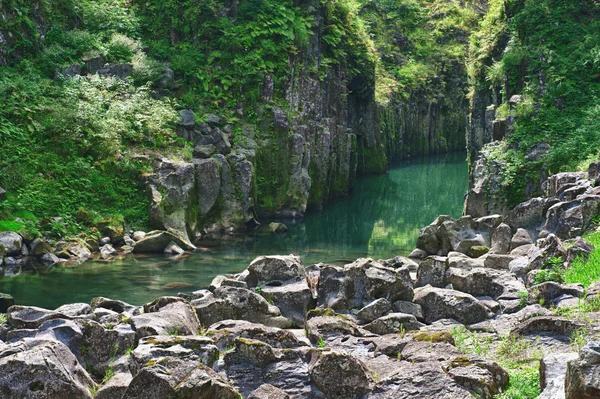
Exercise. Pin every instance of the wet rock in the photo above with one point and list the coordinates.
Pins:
(177, 378)
(393, 323)
(333, 367)
(553, 370)
(42, 369)
(439, 303)
(108, 252)
(374, 310)
(157, 242)
(12, 243)
(432, 271)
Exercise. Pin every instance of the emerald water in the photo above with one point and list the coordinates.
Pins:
(380, 220)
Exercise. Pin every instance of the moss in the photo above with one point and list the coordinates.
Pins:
(478, 250)
(320, 312)
(436, 337)
(460, 361)
(372, 159)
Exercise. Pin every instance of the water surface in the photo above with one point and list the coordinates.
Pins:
(380, 220)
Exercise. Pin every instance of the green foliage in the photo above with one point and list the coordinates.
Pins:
(584, 271)
(524, 384)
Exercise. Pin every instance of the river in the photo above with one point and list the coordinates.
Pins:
(380, 220)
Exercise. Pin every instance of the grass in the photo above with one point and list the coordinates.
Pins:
(517, 356)
(583, 271)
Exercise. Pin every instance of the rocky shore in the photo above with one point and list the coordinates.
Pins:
(370, 329)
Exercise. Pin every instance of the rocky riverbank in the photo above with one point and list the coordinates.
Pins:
(371, 329)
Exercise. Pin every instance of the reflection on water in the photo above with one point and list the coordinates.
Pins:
(381, 220)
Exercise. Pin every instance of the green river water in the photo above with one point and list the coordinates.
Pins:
(380, 220)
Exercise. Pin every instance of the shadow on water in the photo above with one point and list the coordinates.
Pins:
(381, 219)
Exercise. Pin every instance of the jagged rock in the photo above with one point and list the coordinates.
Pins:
(293, 299)
(40, 247)
(333, 367)
(177, 378)
(267, 391)
(226, 332)
(275, 270)
(432, 271)
(208, 184)
(399, 262)
(529, 215)
(580, 248)
(571, 219)
(42, 369)
(408, 308)
(556, 184)
(482, 282)
(174, 317)
(520, 238)
(546, 293)
(65, 331)
(116, 386)
(78, 250)
(108, 252)
(553, 370)
(103, 241)
(103, 344)
(428, 240)
(75, 310)
(239, 304)
(582, 381)
(501, 239)
(418, 254)
(335, 288)
(439, 303)
(392, 323)
(457, 260)
(320, 327)
(505, 323)
(481, 376)
(498, 261)
(374, 310)
(12, 243)
(157, 242)
(554, 324)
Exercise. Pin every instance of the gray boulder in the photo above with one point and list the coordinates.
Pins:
(31, 317)
(171, 317)
(432, 271)
(12, 243)
(439, 303)
(267, 391)
(374, 310)
(157, 242)
(332, 368)
(553, 371)
(208, 184)
(582, 380)
(266, 270)
(393, 323)
(42, 369)
(485, 282)
(520, 238)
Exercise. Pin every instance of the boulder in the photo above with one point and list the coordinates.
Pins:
(439, 303)
(393, 323)
(267, 391)
(12, 243)
(156, 348)
(553, 324)
(36, 368)
(483, 377)
(320, 327)
(520, 238)
(553, 370)
(222, 281)
(208, 184)
(31, 317)
(408, 308)
(582, 380)
(104, 344)
(293, 299)
(485, 282)
(112, 304)
(529, 215)
(138, 235)
(278, 228)
(580, 249)
(166, 317)
(173, 249)
(374, 310)
(107, 251)
(501, 239)
(498, 261)
(179, 379)
(157, 242)
(594, 173)
(432, 271)
(224, 333)
(275, 270)
(40, 247)
(335, 288)
(331, 368)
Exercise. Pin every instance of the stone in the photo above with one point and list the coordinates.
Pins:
(485, 282)
(333, 367)
(75, 310)
(293, 299)
(501, 239)
(108, 252)
(457, 260)
(30, 316)
(208, 184)
(267, 391)
(393, 323)
(529, 215)
(157, 242)
(78, 251)
(498, 261)
(335, 288)
(483, 377)
(418, 254)
(40, 247)
(439, 303)
(553, 370)
(204, 151)
(594, 173)
(278, 228)
(226, 332)
(408, 308)
(478, 251)
(158, 347)
(320, 327)
(138, 235)
(115, 387)
(112, 304)
(222, 281)
(166, 315)
(428, 240)
(554, 324)
(432, 271)
(104, 344)
(173, 249)
(103, 241)
(520, 238)
(580, 248)
(374, 310)
(272, 270)
(546, 293)
(42, 369)
(12, 243)
(179, 378)
(214, 120)
(582, 380)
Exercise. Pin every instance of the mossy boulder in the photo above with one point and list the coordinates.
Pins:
(478, 250)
